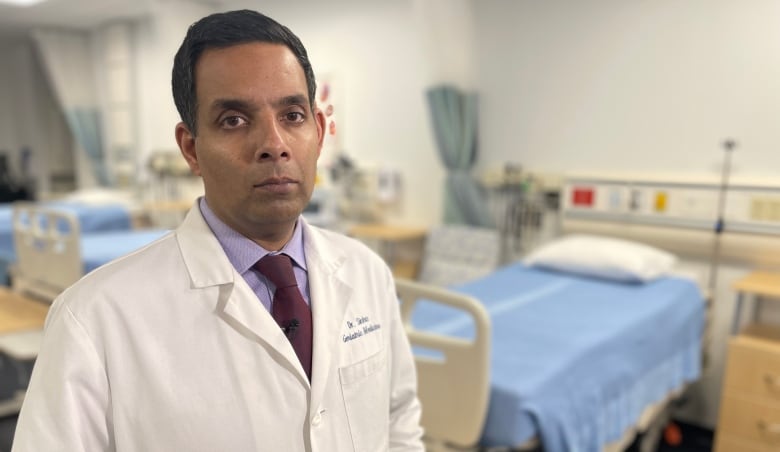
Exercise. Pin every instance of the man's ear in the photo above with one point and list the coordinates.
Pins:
(186, 141)
(319, 118)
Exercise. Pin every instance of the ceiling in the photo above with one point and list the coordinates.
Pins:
(69, 13)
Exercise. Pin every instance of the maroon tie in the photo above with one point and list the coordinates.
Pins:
(288, 307)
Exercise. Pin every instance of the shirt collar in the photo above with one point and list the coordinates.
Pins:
(244, 253)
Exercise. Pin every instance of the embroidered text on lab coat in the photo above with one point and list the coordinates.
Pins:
(359, 327)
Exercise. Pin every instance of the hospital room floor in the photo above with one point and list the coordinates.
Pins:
(686, 438)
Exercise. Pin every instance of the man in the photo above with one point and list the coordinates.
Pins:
(176, 347)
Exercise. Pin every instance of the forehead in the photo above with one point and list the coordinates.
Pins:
(255, 68)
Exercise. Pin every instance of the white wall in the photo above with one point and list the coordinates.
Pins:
(29, 114)
(376, 59)
(647, 86)
(115, 67)
(616, 85)
(448, 40)
(158, 37)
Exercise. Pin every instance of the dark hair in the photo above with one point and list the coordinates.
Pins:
(225, 30)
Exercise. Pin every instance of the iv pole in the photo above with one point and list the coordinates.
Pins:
(728, 146)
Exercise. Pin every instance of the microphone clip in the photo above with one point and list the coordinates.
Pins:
(291, 328)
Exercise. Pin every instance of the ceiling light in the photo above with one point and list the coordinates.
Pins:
(21, 2)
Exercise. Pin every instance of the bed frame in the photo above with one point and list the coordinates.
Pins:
(454, 380)
(45, 239)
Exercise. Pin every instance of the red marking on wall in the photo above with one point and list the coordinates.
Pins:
(583, 196)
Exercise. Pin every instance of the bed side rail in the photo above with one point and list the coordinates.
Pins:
(454, 390)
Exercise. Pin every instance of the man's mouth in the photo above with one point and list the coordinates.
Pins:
(277, 184)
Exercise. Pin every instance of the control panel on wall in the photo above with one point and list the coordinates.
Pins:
(748, 208)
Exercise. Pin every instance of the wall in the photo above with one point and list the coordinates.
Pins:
(614, 85)
(374, 56)
(157, 37)
(446, 35)
(29, 114)
(608, 86)
(114, 68)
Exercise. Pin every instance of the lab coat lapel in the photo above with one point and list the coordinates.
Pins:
(235, 303)
(330, 296)
(244, 312)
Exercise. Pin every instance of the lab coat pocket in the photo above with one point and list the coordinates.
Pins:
(365, 387)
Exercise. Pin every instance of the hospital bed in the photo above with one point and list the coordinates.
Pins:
(104, 216)
(53, 250)
(576, 362)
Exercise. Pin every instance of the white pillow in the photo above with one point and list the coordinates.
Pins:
(603, 257)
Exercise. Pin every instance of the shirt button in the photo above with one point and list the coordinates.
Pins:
(316, 420)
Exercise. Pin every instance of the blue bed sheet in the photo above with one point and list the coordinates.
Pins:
(99, 248)
(105, 217)
(575, 360)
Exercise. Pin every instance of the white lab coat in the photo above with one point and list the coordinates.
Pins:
(169, 350)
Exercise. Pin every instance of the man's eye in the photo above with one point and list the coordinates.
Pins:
(294, 116)
(233, 121)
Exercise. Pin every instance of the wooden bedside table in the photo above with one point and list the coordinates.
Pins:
(749, 419)
(758, 284)
(388, 239)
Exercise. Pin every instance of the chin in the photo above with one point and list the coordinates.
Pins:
(282, 214)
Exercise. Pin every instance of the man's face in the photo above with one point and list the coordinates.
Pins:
(257, 141)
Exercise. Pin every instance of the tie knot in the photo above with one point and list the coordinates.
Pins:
(278, 269)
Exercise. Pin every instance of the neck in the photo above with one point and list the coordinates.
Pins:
(271, 235)
(273, 240)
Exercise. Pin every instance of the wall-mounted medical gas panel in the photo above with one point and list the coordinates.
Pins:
(747, 208)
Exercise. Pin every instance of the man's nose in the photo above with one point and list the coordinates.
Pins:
(271, 143)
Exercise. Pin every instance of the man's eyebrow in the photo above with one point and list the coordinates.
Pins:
(295, 99)
(243, 105)
(231, 104)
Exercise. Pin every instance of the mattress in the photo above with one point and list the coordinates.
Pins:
(575, 360)
(99, 248)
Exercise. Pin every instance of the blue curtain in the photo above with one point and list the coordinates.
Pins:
(454, 117)
(84, 123)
